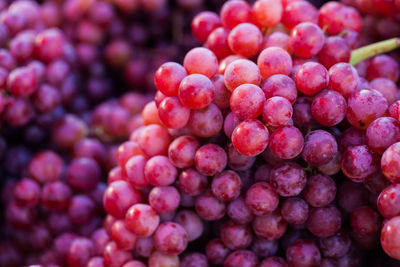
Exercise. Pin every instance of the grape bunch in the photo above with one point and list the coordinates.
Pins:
(57, 204)
(277, 143)
(36, 65)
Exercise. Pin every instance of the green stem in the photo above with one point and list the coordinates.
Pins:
(372, 50)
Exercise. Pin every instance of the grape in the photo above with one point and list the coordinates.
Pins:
(209, 208)
(142, 220)
(297, 12)
(329, 108)
(294, 210)
(124, 238)
(159, 171)
(277, 111)
(91, 148)
(303, 253)
(119, 197)
(386, 87)
(235, 12)
(170, 238)
(247, 101)
(320, 190)
(261, 199)
(280, 85)
(364, 107)
(182, 150)
(201, 61)
(210, 159)
(343, 78)
(389, 163)
(56, 196)
(382, 133)
(164, 199)
(336, 17)
(383, 66)
(83, 173)
(49, 44)
(239, 212)
(245, 39)
(80, 252)
(203, 24)
(226, 186)
(319, 147)
(365, 221)
(172, 113)
(236, 236)
(288, 179)
(250, 137)
(274, 60)
(268, 13)
(217, 42)
(358, 162)
(311, 78)
(306, 39)
(27, 192)
(389, 237)
(394, 110)
(135, 171)
(241, 71)
(196, 91)
(387, 201)
(19, 217)
(206, 122)
(276, 226)
(81, 209)
(216, 252)
(277, 39)
(192, 182)
(178, 183)
(324, 221)
(335, 50)
(335, 246)
(46, 167)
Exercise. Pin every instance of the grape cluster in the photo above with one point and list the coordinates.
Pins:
(276, 143)
(63, 105)
(36, 65)
(56, 208)
(265, 147)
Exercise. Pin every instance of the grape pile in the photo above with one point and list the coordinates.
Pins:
(276, 143)
(63, 107)
(265, 147)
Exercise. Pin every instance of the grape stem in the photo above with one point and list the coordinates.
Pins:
(372, 50)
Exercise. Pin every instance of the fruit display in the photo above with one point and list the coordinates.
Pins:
(200, 133)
